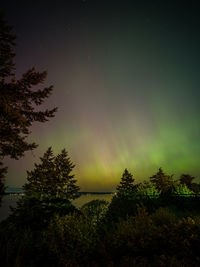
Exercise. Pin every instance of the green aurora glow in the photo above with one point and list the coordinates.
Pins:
(126, 85)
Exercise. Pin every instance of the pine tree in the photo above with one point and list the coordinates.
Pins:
(19, 102)
(186, 179)
(126, 186)
(19, 99)
(51, 178)
(7, 43)
(18, 110)
(49, 190)
(162, 182)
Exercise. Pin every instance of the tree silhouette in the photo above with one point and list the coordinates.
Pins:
(19, 101)
(7, 43)
(48, 192)
(126, 186)
(186, 179)
(162, 182)
(51, 178)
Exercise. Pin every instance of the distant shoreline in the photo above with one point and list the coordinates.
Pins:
(20, 191)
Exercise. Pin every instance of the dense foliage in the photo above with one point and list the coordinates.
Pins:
(141, 227)
(160, 238)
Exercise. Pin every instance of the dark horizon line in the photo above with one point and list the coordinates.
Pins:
(20, 190)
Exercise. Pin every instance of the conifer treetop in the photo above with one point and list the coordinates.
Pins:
(126, 185)
(163, 182)
(52, 177)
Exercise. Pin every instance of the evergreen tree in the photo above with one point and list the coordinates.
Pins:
(18, 111)
(19, 101)
(163, 182)
(7, 43)
(126, 186)
(48, 192)
(186, 179)
(51, 178)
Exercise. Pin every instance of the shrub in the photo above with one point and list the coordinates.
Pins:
(182, 189)
(95, 210)
(159, 239)
(71, 239)
(163, 215)
(35, 214)
(148, 189)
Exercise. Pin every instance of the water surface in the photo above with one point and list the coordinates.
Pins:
(10, 200)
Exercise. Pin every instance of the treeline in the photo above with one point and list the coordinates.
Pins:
(154, 223)
(160, 184)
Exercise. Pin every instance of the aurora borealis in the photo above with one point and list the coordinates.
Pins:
(126, 83)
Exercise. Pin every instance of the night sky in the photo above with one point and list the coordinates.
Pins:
(126, 78)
